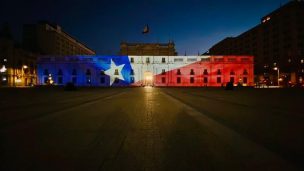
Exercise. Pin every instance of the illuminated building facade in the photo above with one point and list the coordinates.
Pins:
(17, 66)
(277, 42)
(107, 71)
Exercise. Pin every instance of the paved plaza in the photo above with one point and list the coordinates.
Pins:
(151, 129)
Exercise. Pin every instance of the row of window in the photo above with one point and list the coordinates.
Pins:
(88, 72)
(163, 80)
(195, 60)
(205, 80)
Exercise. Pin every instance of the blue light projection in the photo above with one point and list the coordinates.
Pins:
(85, 70)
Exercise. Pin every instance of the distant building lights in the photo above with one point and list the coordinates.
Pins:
(289, 60)
(18, 80)
(302, 61)
(4, 60)
(3, 69)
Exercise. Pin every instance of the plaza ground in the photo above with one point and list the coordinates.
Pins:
(151, 129)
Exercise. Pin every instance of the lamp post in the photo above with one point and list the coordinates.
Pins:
(277, 69)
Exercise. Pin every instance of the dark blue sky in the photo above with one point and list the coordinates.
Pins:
(194, 25)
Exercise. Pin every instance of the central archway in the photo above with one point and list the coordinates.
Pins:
(148, 78)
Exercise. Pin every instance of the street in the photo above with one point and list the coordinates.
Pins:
(151, 129)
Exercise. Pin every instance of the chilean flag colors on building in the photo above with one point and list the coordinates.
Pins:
(146, 70)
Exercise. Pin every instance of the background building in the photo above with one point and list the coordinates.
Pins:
(277, 42)
(17, 66)
(146, 70)
(48, 39)
(148, 49)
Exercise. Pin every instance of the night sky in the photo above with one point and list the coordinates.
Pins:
(194, 25)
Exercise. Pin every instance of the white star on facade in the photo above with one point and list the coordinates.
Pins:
(111, 72)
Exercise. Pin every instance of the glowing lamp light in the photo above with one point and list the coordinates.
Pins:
(3, 69)
(149, 78)
(4, 79)
(24, 66)
(18, 80)
(275, 68)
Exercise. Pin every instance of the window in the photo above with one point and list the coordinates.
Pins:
(59, 72)
(163, 72)
(59, 80)
(74, 80)
(205, 79)
(218, 59)
(245, 80)
(205, 72)
(232, 79)
(46, 80)
(219, 80)
(231, 59)
(244, 59)
(102, 80)
(163, 60)
(132, 60)
(132, 80)
(74, 72)
(116, 81)
(131, 72)
(205, 59)
(232, 72)
(192, 72)
(147, 60)
(178, 60)
(116, 72)
(191, 80)
(178, 80)
(88, 72)
(219, 72)
(163, 79)
(46, 72)
(88, 80)
(245, 72)
(178, 72)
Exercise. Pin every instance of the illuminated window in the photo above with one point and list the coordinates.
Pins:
(163, 79)
(178, 72)
(116, 72)
(163, 60)
(191, 80)
(218, 79)
(192, 72)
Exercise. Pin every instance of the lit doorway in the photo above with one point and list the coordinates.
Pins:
(148, 78)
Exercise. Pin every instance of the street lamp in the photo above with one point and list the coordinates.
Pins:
(277, 69)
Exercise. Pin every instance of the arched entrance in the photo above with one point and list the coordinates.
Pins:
(148, 78)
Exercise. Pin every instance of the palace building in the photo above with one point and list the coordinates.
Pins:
(173, 71)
